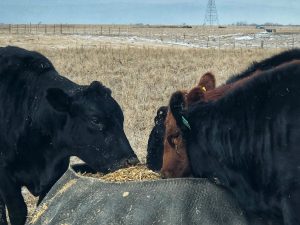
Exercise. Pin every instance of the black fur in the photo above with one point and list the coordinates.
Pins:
(156, 139)
(46, 118)
(249, 139)
(267, 64)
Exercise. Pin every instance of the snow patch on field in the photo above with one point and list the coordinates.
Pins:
(244, 38)
(240, 40)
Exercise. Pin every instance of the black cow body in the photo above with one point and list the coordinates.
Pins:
(267, 64)
(155, 141)
(249, 139)
(46, 118)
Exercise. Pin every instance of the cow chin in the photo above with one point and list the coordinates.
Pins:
(175, 173)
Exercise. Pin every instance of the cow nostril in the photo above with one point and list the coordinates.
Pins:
(132, 161)
(163, 175)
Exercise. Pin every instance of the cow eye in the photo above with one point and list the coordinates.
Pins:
(171, 139)
(97, 122)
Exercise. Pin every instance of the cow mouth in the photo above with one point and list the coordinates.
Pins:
(87, 168)
(106, 166)
(124, 163)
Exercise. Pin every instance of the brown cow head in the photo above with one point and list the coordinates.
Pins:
(175, 158)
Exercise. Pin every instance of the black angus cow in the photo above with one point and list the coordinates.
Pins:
(249, 139)
(155, 141)
(46, 118)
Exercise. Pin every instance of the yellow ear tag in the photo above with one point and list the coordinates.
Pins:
(203, 88)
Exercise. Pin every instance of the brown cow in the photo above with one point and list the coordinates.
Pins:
(175, 158)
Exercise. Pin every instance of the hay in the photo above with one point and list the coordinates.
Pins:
(135, 173)
(38, 214)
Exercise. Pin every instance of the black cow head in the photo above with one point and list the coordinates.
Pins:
(155, 147)
(178, 107)
(93, 127)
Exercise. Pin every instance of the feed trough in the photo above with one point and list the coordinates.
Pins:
(77, 200)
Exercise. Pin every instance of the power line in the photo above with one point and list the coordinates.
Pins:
(211, 15)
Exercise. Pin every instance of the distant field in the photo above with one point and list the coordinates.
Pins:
(141, 75)
(229, 37)
(139, 30)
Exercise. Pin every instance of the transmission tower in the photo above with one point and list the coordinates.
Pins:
(211, 15)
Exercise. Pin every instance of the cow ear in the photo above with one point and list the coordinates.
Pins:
(207, 82)
(177, 107)
(99, 87)
(161, 114)
(195, 95)
(58, 99)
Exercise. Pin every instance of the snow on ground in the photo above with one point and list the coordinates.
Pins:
(229, 41)
(244, 38)
(270, 40)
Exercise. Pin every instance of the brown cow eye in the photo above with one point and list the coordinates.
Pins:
(171, 139)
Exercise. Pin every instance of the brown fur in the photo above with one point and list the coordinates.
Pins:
(175, 159)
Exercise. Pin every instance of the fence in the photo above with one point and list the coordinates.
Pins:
(196, 37)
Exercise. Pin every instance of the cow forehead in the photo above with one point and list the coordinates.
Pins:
(170, 123)
(102, 105)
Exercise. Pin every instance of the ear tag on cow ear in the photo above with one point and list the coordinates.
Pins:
(185, 122)
(203, 88)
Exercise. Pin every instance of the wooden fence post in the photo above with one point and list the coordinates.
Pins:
(207, 43)
(293, 43)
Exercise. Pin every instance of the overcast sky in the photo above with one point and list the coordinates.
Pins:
(147, 11)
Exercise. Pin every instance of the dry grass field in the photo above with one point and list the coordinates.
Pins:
(141, 77)
(138, 30)
(229, 37)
